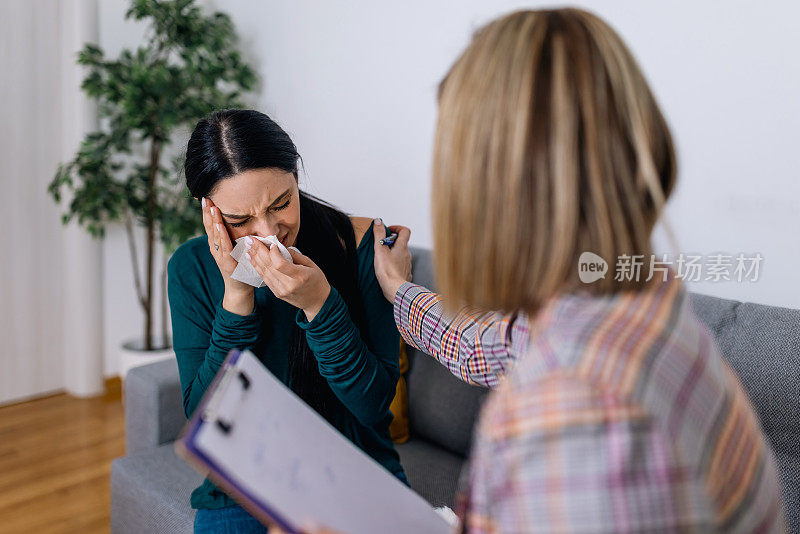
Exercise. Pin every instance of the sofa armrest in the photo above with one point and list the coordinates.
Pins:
(153, 407)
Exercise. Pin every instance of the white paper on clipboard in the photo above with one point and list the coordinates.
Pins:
(284, 461)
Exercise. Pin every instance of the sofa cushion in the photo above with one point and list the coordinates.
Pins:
(400, 428)
(762, 345)
(151, 491)
(422, 267)
(432, 471)
(153, 406)
(442, 409)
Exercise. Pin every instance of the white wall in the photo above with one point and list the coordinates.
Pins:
(27, 366)
(354, 85)
(50, 319)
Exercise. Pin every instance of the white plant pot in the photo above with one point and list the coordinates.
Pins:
(131, 354)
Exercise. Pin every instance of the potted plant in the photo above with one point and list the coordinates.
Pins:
(187, 66)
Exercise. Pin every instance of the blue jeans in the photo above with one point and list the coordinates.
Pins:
(228, 520)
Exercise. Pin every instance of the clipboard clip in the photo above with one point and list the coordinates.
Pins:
(223, 406)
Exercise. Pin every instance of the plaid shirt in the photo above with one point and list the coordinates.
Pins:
(620, 415)
(479, 348)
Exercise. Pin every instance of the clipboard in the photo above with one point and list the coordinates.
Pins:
(284, 463)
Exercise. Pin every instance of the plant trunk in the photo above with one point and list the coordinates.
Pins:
(155, 153)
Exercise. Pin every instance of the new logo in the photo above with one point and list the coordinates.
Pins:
(591, 267)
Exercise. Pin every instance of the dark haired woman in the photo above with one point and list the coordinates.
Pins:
(320, 324)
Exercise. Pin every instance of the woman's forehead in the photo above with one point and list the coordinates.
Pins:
(251, 191)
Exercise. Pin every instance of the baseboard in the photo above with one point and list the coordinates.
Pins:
(113, 388)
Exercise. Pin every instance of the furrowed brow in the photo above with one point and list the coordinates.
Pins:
(274, 203)
(240, 217)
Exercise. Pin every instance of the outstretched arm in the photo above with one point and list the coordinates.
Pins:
(478, 347)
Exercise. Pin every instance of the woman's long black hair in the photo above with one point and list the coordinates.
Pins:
(230, 142)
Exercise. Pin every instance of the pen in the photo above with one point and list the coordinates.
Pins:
(389, 240)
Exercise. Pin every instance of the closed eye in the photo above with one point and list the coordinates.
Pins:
(276, 208)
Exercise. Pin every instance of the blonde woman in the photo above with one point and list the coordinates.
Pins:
(619, 413)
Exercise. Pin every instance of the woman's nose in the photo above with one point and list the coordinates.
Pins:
(265, 228)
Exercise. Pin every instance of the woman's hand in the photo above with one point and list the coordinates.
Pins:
(238, 297)
(392, 264)
(302, 284)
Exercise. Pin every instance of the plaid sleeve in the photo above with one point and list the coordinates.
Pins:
(478, 347)
(569, 458)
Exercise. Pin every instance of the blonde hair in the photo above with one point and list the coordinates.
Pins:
(548, 143)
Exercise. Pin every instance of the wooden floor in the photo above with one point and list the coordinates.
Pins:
(55, 462)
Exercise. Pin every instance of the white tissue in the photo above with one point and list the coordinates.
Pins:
(448, 515)
(245, 272)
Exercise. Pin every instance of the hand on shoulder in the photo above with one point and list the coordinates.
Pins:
(392, 263)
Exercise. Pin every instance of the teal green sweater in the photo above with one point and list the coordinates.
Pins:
(362, 372)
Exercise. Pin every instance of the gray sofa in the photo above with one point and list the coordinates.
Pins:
(150, 486)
